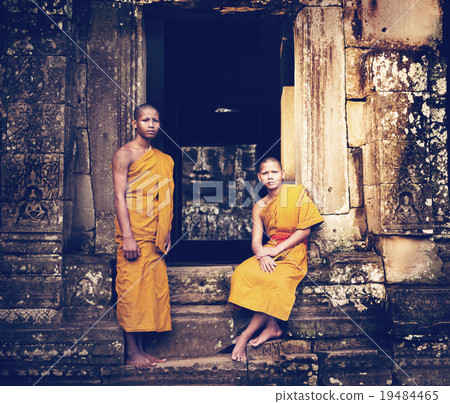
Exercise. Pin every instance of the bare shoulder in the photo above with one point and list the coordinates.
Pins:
(258, 207)
(123, 157)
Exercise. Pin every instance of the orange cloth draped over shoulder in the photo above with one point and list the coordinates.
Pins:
(142, 285)
(274, 293)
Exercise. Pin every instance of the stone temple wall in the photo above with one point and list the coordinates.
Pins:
(380, 140)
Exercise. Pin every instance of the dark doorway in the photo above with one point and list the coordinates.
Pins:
(217, 82)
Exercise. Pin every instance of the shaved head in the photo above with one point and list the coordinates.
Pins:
(139, 110)
(271, 160)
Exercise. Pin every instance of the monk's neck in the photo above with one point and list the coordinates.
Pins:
(143, 143)
(274, 192)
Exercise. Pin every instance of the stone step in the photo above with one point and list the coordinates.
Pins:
(74, 343)
(198, 330)
(354, 368)
(204, 330)
(210, 284)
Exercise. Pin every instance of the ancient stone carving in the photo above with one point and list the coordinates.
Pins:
(408, 208)
(218, 183)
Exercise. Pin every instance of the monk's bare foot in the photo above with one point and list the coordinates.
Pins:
(238, 353)
(151, 358)
(139, 361)
(271, 331)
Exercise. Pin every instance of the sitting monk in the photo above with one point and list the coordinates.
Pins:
(266, 282)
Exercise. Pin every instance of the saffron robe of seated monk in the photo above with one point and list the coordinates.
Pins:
(142, 284)
(274, 293)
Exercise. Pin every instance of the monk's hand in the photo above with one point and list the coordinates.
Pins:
(131, 249)
(167, 243)
(267, 251)
(267, 264)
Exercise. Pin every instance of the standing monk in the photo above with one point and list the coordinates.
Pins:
(143, 194)
(266, 282)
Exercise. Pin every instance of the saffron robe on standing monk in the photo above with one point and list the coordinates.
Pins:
(274, 293)
(142, 284)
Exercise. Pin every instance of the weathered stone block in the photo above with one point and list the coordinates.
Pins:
(291, 370)
(37, 317)
(340, 344)
(391, 24)
(87, 280)
(83, 218)
(103, 344)
(441, 205)
(34, 35)
(417, 348)
(397, 71)
(53, 7)
(82, 92)
(31, 264)
(327, 323)
(31, 372)
(35, 79)
(410, 260)
(44, 133)
(358, 125)
(419, 311)
(320, 107)
(356, 268)
(88, 313)
(360, 297)
(82, 163)
(355, 177)
(399, 122)
(199, 331)
(423, 372)
(339, 232)
(277, 349)
(346, 268)
(438, 154)
(38, 243)
(199, 285)
(438, 75)
(354, 368)
(216, 370)
(357, 84)
(34, 292)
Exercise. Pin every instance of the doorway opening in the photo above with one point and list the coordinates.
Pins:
(217, 81)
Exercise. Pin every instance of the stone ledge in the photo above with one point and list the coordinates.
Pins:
(354, 368)
(215, 370)
(291, 370)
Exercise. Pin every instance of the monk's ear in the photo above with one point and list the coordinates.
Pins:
(134, 123)
(259, 177)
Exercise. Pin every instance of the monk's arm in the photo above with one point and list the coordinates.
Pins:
(296, 238)
(257, 229)
(120, 164)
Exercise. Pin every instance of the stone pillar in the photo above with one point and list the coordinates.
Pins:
(115, 73)
(288, 133)
(321, 153)
(38, 106)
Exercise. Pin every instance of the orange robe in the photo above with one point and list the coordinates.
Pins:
(142, 285)
(274, 293)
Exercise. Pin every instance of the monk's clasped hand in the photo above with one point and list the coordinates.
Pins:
(267, 264)
(267, 251)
